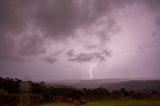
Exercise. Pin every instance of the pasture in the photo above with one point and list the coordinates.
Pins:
(111, 103)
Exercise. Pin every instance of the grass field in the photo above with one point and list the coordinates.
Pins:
(113, 103)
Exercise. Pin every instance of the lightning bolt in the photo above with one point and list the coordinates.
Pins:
(91, 67)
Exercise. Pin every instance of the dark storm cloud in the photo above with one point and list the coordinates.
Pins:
(59, 18)
(158, 21)
(53, 57)
(57, 53)
(49, 59)
(36, 29)
(86, 57)
(70, 53)
(91, 46)
(11, 58)
(14, 17)
(56, 19)
(12, 23)
(153, 4)
(82, 57)
(106, 52)
(31, 45)
(154, 7)
(156, 33)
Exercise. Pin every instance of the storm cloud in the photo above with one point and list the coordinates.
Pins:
(52, 19)
(87, 57)
(59, 33)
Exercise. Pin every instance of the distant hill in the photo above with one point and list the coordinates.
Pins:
(147, 86)
(141, 85)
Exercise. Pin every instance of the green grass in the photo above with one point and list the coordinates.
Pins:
(124, 103)
(56, 104)
(113, 103)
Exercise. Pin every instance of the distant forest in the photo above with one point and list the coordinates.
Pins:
(16, 92)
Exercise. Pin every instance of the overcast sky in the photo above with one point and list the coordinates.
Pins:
(61, 39)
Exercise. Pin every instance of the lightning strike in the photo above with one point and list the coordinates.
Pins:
(91, 67)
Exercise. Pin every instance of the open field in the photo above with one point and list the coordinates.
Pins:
(112, 103)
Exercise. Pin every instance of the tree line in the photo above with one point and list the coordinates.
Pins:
(17, 92)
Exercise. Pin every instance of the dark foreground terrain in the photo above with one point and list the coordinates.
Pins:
(16, 92)
(111, 103)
